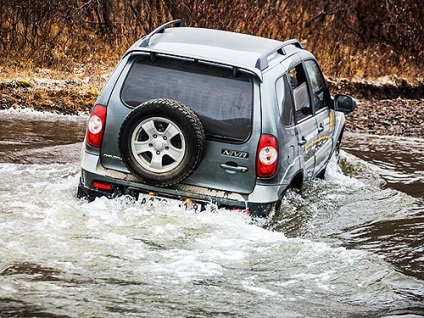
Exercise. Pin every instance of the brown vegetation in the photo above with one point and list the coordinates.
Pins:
(352, 38)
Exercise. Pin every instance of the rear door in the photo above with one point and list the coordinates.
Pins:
(321, 107)
(305, 121)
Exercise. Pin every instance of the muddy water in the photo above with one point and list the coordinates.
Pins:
(347, 246)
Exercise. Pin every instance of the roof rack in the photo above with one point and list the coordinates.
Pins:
(262, 61)
(146, 40)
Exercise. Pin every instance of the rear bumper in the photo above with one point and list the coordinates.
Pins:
(260, 202)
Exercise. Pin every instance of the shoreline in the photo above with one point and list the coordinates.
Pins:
(386, 108)
(392, 117)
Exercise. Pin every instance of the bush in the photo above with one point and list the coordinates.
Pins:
(352, 38)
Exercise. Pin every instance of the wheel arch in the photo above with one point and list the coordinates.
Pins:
(297, 181)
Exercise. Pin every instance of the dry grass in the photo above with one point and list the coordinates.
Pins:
(352, 38)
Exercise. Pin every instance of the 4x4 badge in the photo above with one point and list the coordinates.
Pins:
(234, 153)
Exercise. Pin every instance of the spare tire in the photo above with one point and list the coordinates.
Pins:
(161, 141)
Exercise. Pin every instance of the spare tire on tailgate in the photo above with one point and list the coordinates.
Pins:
(161, 141)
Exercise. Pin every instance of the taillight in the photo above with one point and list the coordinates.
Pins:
(267, 157)
(95, 126)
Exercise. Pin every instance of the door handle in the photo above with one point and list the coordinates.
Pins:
(302, 141)
(321, 128)
(233, 168)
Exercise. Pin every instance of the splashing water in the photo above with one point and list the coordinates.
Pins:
(344, 246)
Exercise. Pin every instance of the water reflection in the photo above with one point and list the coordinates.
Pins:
(25, 129)
(33, 137)
(399, 161)
(400, 241)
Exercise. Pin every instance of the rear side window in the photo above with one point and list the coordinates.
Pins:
(222, 100)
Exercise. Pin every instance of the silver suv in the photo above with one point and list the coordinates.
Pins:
(211, 117)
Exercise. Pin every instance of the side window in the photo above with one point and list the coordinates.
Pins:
(321, 96)
(300, 92)
(285, 102)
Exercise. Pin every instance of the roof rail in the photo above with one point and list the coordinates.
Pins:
(262, 61)
(146, 40)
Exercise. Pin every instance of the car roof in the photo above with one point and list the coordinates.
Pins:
(223, 47)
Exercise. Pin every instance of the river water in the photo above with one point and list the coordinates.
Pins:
(347, 246)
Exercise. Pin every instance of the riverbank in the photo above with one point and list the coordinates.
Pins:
(386, 106)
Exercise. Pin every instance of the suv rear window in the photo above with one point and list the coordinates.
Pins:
(222, 101)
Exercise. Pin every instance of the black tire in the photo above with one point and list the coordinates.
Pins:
(321, 174)
(161, 141)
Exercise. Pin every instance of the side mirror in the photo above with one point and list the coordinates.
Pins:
(344, 103)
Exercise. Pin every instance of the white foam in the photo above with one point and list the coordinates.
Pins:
(29, 113)
(209, 253)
